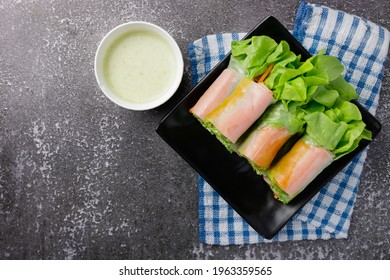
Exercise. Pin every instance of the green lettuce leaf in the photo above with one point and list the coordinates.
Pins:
(338, 129)
(324, 132)
(314, 72)
(284, 70)
(290, 62)
(281, 53)
(312, 107)
(329, 64)
(332, 115)
(277, 115)
(325, 96)
(294, 90)
(345, 90)
(316, 77)
(356, 131)
(252, 54)
(350, 112)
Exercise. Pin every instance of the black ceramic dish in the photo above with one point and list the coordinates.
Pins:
(230, 175)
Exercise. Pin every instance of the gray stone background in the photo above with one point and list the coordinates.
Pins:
(81, 178)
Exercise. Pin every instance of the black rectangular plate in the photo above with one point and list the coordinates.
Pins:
(230, 175)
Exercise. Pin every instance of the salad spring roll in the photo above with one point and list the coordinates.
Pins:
(249, 59)
(269, 134)
(239, 111)
(329, 135)
(297, 169)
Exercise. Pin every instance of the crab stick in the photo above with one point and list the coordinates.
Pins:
(241, 109)
(295, 170)
(221, 88)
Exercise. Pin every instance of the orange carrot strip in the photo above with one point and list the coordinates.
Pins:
(265, 74)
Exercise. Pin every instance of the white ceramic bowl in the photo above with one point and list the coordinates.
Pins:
(118, 32)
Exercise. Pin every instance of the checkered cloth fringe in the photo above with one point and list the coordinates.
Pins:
(362, 48)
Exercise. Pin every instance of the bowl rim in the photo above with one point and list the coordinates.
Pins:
(120, 30)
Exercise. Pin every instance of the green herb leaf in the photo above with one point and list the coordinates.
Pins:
(326, 97)
(349, 111)
(294, 90)
(329, 64)
(277, 115)
(355, 133)
(252, 54)
(345, 90)
(325, 132)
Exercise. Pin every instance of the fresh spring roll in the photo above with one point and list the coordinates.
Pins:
(239, 111)
(221, 88)
(329, 135)
(297, 169)
(249, 58)
(270, 133)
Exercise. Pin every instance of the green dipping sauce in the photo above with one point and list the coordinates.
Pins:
(139, 66)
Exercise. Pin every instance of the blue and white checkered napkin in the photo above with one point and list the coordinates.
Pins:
(362, 47)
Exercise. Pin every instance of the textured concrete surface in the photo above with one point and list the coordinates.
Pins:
(81, 178)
